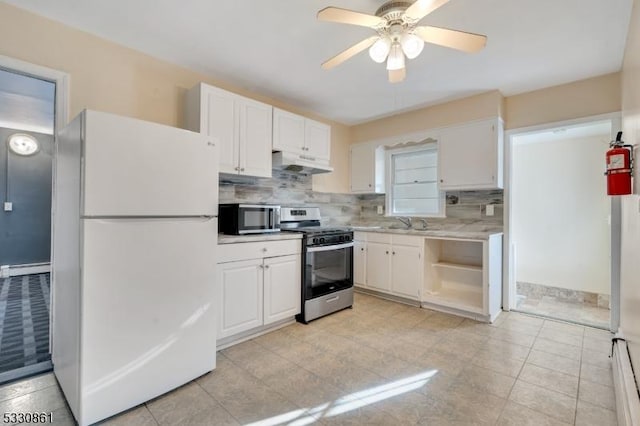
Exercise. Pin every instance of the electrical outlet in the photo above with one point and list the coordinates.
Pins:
(490, 210)
(8, 206)
(380, 209)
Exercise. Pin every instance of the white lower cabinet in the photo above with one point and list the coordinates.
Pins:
(253, 293)
(456, 275)
(240, 296)
(359, 262)
(406, 271)
(378, 267)
(389, 264)
(281, 280)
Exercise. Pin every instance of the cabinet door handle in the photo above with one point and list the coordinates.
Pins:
(237, 169)
(361, 248)
(264, 250)
(261, 266)
(441, 180)
(387, 252)
(266, 266)
(393, 253)
(242, 169)
(369, 185)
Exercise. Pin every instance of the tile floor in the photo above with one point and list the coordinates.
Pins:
(384, 363)
(552, 307)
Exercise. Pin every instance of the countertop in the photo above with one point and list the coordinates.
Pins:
(470, 232)
(229, 239)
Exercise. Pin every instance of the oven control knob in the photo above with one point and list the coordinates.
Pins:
(315, 241)
(321, 240)
(341, 238)
(347, 238)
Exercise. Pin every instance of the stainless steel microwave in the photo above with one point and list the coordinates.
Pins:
(238, 219)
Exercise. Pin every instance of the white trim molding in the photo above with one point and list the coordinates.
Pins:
(27, 269)
(509, 250)
(627, 398)
(62, 80)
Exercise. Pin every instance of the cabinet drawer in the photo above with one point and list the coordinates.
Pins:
(407, 240)
(257, 250)
(359, 236)
(374, 237)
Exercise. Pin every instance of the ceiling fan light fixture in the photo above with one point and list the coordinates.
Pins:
(380, 49)
(412, 45)
(395, 61)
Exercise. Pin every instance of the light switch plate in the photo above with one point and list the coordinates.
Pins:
(490, 210)
(8, 206)
(380, 209)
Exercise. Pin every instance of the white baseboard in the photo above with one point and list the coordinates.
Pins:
(17, 270)
(627, 398)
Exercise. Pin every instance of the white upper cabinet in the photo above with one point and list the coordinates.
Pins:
(288, 132)
(299, 135)
(317, 138)
(242, 125)
(255, 137)
(367, 169)
(470, 156)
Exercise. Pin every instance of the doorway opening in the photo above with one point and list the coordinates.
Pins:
(560, 223)
(27, 128)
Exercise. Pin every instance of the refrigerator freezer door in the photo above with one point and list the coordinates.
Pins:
(148, 309)
(137, 168)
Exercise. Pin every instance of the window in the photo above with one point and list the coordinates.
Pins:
(412, 181)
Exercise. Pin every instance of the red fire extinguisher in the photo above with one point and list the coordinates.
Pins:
(619, 167)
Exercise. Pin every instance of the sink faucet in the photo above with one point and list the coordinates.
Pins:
(424, 223)
(406, 221)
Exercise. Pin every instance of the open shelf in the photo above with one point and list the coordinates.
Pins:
(452, 265)
(469, 298)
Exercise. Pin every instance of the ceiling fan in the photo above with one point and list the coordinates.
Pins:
(399, 35)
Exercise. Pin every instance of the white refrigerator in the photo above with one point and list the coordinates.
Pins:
(134, 255)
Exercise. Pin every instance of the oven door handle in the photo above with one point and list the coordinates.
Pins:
(327, 248)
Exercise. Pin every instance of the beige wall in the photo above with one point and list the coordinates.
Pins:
(630, 268)
(477, 107)
(584, 98)
(594, 96)
(109, 77)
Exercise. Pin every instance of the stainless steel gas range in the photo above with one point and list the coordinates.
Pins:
(327, 262)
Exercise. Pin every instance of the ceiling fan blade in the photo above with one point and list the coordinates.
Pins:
(345, 16)
(460, 40)
(396, 76)
(422, 8)
(353, 50)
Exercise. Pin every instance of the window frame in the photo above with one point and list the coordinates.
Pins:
(428, 144)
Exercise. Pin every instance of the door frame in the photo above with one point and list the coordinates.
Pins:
(61, 118)
(508, 266)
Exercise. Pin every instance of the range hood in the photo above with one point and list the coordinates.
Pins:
(290, 162)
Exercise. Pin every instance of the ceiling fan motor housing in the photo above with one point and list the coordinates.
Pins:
(393, 10)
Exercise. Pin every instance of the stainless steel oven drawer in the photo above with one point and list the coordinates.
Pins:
(323, 305)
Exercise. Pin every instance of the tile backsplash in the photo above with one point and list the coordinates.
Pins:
(290, 189)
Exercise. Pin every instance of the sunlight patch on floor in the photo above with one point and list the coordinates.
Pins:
(350, 402)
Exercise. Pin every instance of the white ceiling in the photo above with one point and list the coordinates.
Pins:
(276, 47)
(26, 103)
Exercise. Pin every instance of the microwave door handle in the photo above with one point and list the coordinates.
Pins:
(270, 218)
